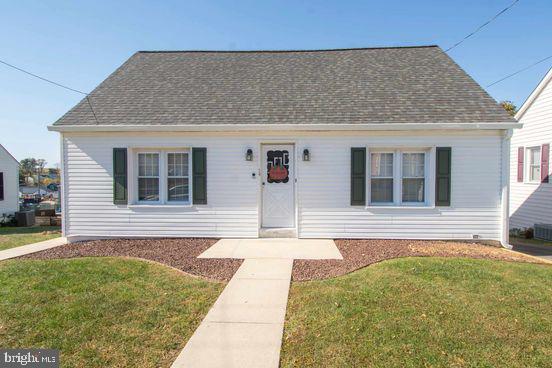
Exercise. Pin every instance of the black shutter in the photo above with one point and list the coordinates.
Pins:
(120, 182)
(358, 176)
(199, 175)
(443, 176)
(1, 186)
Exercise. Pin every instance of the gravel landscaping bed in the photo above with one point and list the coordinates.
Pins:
(358, 253)
(177, 253)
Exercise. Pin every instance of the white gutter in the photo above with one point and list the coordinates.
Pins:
(505, 190)
(281, 127)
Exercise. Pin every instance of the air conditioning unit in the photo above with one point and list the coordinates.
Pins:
(25, 218)
(543, 232)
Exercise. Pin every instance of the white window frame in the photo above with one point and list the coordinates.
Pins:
(527, 173)
(429, 176)
(163, 177)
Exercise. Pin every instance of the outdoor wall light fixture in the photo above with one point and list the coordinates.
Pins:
(306, 155)
(249, 155)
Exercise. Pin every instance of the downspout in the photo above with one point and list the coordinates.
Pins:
(505, 190)
(61, 189)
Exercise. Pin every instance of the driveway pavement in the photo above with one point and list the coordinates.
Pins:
(244, 327)
(541, 251)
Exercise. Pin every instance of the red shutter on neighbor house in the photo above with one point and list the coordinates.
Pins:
(545, 157)
(520, 164)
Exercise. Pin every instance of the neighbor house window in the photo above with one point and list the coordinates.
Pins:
(381, 177)
(177, 177)
(148, 177)
(413, 177)
(534, 167)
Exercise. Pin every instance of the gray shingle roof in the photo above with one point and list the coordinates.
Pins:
(353, 86)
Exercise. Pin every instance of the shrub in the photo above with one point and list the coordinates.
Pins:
(8, 220)
(529, 233)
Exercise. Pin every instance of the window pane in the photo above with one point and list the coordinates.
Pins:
(178, 189)
(177, 164)
(148, 164)
(381, 190)
(381, 164)
(148, 189)
(413, 190)
(535, 156)
(535, 174)
(141, 164)
(413, 165)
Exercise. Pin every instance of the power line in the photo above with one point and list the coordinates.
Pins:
(55, 84)
(42, 78)
(483, 25)
(520, 71)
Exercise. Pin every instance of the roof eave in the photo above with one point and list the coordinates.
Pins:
(284, 127)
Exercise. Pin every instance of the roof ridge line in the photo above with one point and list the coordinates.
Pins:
(284, 51)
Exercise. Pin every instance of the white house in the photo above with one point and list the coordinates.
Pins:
(531, 190)
(9, 183)
(392, 142)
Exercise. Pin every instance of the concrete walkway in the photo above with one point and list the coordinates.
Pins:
(31, 248)
(244, 327)
(284, 248)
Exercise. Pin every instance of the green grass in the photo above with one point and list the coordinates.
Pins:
(11, 237)
(423, 312)
(101, 312)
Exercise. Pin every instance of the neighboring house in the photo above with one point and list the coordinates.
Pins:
(392, 142)
(531, 190)
(9, 183)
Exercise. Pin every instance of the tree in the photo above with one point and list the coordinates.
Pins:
(30, 167)
(27, 168)
(509, 107)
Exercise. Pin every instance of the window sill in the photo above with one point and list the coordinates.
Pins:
(402, 207)
(159, 205)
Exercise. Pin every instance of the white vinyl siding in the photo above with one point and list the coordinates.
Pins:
(322, 188)
(530, 201)
(324, 210)
(231, 210)
(10, 169)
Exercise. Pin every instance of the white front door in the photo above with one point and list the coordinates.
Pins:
(278, 181)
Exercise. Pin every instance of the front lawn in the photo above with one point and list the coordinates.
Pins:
(101, 312)
(423, 312)
(11, 237)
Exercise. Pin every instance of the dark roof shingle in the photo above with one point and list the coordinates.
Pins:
(354, 86)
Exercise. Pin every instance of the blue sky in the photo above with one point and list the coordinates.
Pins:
(80, 43)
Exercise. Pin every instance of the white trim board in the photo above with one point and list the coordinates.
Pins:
(280, 127)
